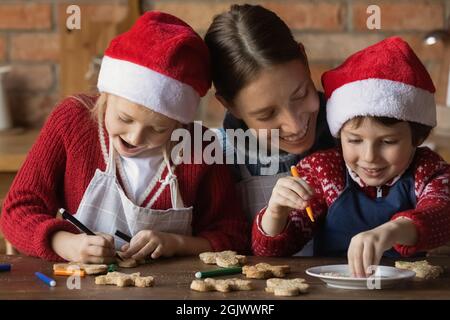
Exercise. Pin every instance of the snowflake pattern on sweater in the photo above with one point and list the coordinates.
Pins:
(325, 171)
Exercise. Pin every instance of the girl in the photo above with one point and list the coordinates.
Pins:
(380, 191)
(115, 173)
(262, 78)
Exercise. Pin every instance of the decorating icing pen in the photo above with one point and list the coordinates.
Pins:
(75, 221)
(58, 272)
(67, 216)
(123, 236)
(127, 238)
(49, 281)
(218, 272)
(309, 211)
(5, 267)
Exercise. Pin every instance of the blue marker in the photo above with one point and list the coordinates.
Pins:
(47, 280)
(5, 267)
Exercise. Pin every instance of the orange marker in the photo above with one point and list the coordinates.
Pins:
(59, 272)
(309, 211)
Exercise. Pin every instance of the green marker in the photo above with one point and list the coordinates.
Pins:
(218, 272)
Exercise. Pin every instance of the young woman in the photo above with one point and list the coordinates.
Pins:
(261, 76)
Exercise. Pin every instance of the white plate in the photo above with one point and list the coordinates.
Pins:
(337, 276)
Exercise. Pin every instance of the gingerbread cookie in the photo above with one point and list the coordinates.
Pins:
(223, 259)
(88, 268)
(226, 285)
(422, 268)
(286, 287)
(125, 280)
(265, 270)
(129, 262)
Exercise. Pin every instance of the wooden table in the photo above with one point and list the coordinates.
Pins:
(173, 277)
(14, 147)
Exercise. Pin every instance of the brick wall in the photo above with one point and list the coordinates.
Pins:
(28, 42)
(330, 30)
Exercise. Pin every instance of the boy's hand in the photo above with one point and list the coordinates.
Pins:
(289, 193)
(367, 248)
(84, 248)
(154, 243)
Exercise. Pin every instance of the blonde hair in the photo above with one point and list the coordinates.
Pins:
(96, 109)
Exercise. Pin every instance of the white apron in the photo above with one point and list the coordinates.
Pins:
(255, 193)
(106, 208)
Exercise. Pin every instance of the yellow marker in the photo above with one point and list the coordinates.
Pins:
(309, 211)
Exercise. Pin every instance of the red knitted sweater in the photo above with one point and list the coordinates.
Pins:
(325, 172)
(63, 161)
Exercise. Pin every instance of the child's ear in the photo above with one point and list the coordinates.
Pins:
(228, 106)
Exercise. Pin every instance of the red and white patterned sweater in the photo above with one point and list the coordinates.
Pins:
(325, 171)
(63, 161)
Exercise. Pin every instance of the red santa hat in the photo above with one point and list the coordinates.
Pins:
(386, 79)
(160, 63)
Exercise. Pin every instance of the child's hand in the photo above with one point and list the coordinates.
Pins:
(84, 248)
(367, 248)
(149, 242)
(289, 193)
(95, 249)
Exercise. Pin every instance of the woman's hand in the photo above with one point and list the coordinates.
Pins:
(367, 248)
(289, 193)
(152, 243)
(84, 248)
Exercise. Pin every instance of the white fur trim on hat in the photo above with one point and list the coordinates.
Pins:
(149, 88)
(380, 98)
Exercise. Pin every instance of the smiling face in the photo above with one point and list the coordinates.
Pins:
(281, 97)
(377, 152)
(134, 128)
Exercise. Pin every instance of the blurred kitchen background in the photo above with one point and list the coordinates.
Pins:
(42, 62)
(49, 62)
